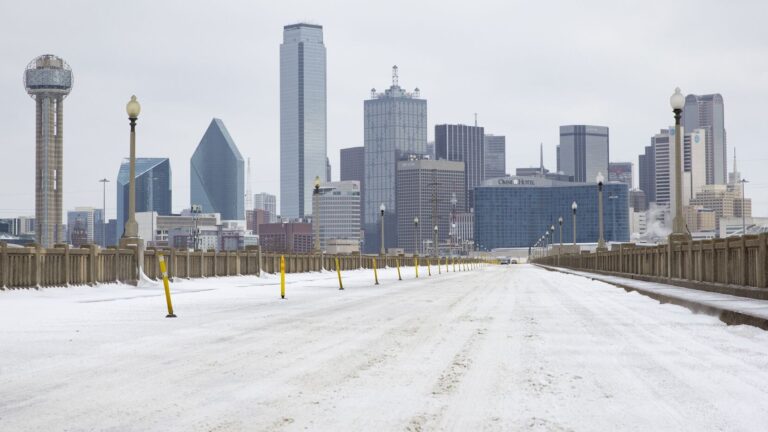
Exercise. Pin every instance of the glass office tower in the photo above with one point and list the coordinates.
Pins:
(153, 188)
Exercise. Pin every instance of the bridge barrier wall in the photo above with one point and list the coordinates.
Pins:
(740, 261)
(63, 265)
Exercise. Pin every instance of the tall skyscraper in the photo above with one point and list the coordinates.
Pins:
(694, 163)
(425, 189)
(267, 202)
(395, 127)
(463, 143)
(707, 112)
(327, 169)
(217, 172)
(153, 188)
(583, 151)
(302, 117)
(495, 155)
(647, 172)
(663, 164)
(620, 172)
(48, 80)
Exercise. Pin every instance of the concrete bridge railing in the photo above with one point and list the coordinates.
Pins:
(62, 265)
(741, 261)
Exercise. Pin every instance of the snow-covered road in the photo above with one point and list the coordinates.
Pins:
(502, 348)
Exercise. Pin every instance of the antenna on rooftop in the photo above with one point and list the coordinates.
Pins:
(394, 76)
(475, 119)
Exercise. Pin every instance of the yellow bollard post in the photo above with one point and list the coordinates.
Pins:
(164, 271)
(416, 265)
(438, 266)
(282, 276)
(338, 273)
(429, 270)
(453, 261)
(397, 261)
(375, 273)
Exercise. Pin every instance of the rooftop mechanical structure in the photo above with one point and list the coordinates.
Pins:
(48, 80)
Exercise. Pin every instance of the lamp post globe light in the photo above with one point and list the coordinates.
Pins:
(677, 101)
(574, 206)
(601, 240)
(131, 230)
(416, 235)
(560, 222)
(382, 208)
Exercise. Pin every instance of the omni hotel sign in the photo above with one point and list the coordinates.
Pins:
(516, 182)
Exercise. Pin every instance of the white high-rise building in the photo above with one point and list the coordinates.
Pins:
(338, 208)
(302, 117)
(694, 165)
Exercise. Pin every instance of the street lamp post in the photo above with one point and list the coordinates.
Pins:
(382, 208)
(316, 214)
(574, 206)
(560, 222)
(130, 236)
(434, 240)
(743, 217)
(677, 101)
(600, 241)
(416, 235)
(104, 182)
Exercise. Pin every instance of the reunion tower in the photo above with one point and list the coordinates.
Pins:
(48, 80)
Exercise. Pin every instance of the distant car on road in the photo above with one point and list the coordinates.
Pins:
(514, 261)
(504, 260)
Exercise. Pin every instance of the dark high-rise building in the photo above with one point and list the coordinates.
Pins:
(217, 174)
(495, 156)
(583, 152)
(327, 169)
(637, 200)
(291, 237)
(463, 143)
(352, 167)
(425, 189)
(395, 125)
(620, 172)
(647, 172)
(153, 188)
(707, 112)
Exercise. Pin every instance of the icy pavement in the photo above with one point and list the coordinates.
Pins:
(503, 348)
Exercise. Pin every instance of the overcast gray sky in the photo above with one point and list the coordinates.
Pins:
(525, 67)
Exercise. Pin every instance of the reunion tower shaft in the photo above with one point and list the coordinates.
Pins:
(48, 80)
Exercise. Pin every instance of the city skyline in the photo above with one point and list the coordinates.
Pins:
(588, 96)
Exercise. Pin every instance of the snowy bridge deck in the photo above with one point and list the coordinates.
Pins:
(503, 348)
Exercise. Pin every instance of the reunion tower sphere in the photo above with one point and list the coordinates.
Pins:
(48, 75)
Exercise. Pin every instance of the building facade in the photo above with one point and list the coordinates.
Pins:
(90, 220)
(462, 143)
(620, 172)
(217, 174)
(48, 80)
(303, 140)
(153, 188)
(395, 126)
(495, 155)
(425, 189)
(583, 152)
(516, 211)
(352, 167)
(338, 212)
(707, 112)
(289, 237)
(647, 172)
(266, 202)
